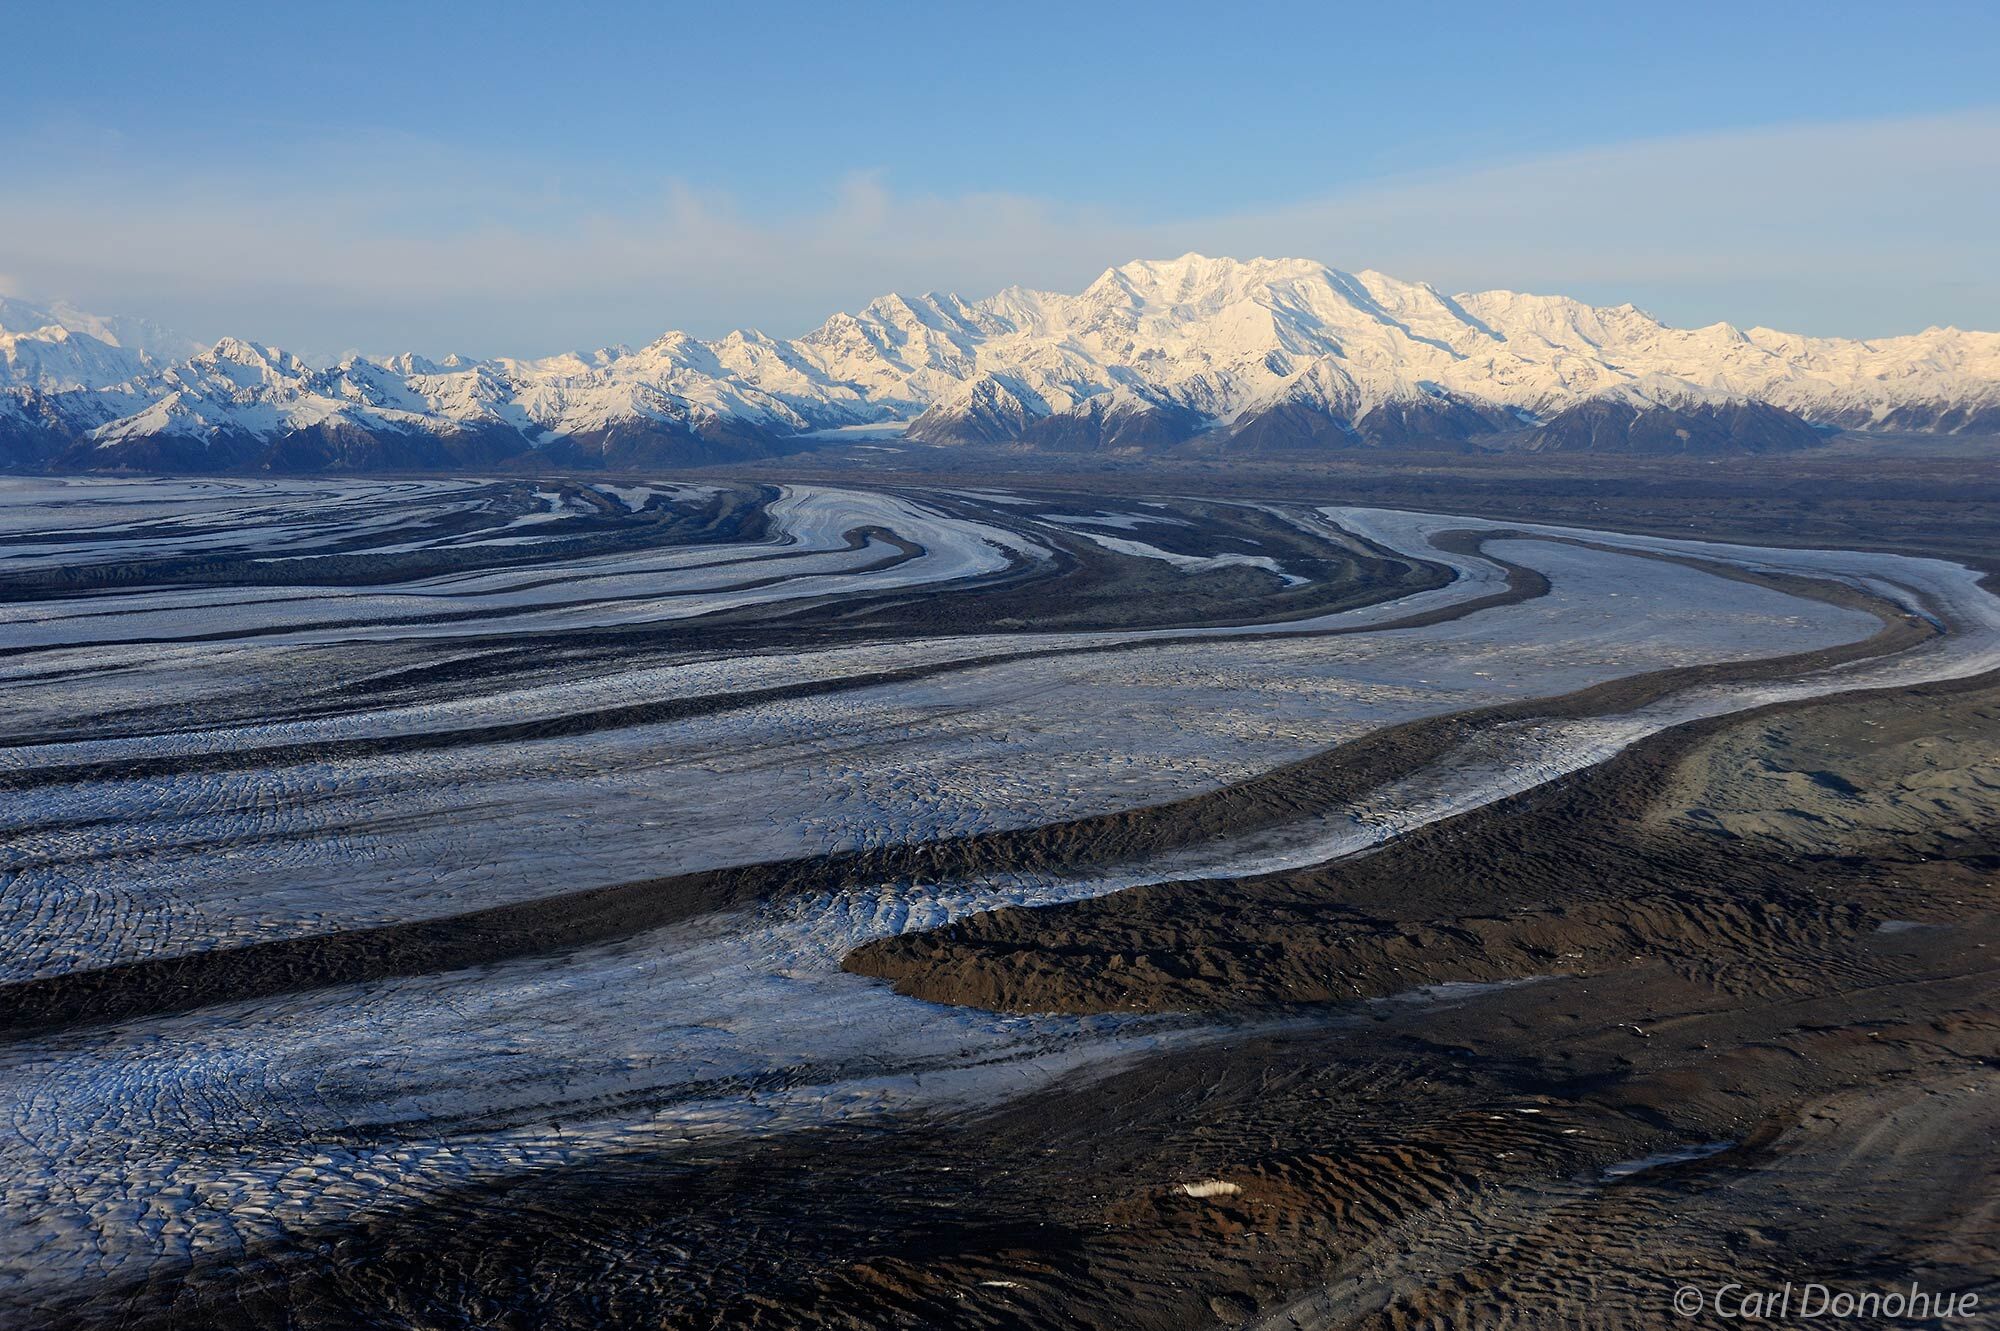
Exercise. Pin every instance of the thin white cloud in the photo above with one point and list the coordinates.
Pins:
(1871, 227)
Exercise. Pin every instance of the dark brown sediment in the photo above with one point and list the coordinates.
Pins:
(1493, 894)
(1772, 933)
(1389, 1165)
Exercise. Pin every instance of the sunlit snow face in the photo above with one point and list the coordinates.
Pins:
(1195, 344)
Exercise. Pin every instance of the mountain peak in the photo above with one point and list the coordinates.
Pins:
(140, 336)
(1193, 276)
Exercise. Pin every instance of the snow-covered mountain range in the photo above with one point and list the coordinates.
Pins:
(1186, 354)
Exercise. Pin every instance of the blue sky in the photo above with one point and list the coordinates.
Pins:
(529, 178)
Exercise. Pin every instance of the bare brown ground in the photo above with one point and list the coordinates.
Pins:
(1733, 906)
(1678, 844)
(1389, 1164)
(1710, 907)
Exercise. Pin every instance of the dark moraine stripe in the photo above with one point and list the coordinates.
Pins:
(858, 539)
(1522, 584)
(563, 922)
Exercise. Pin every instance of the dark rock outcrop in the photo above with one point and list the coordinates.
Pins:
(1605, 426)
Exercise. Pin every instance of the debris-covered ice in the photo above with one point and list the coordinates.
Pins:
(165, 1138)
